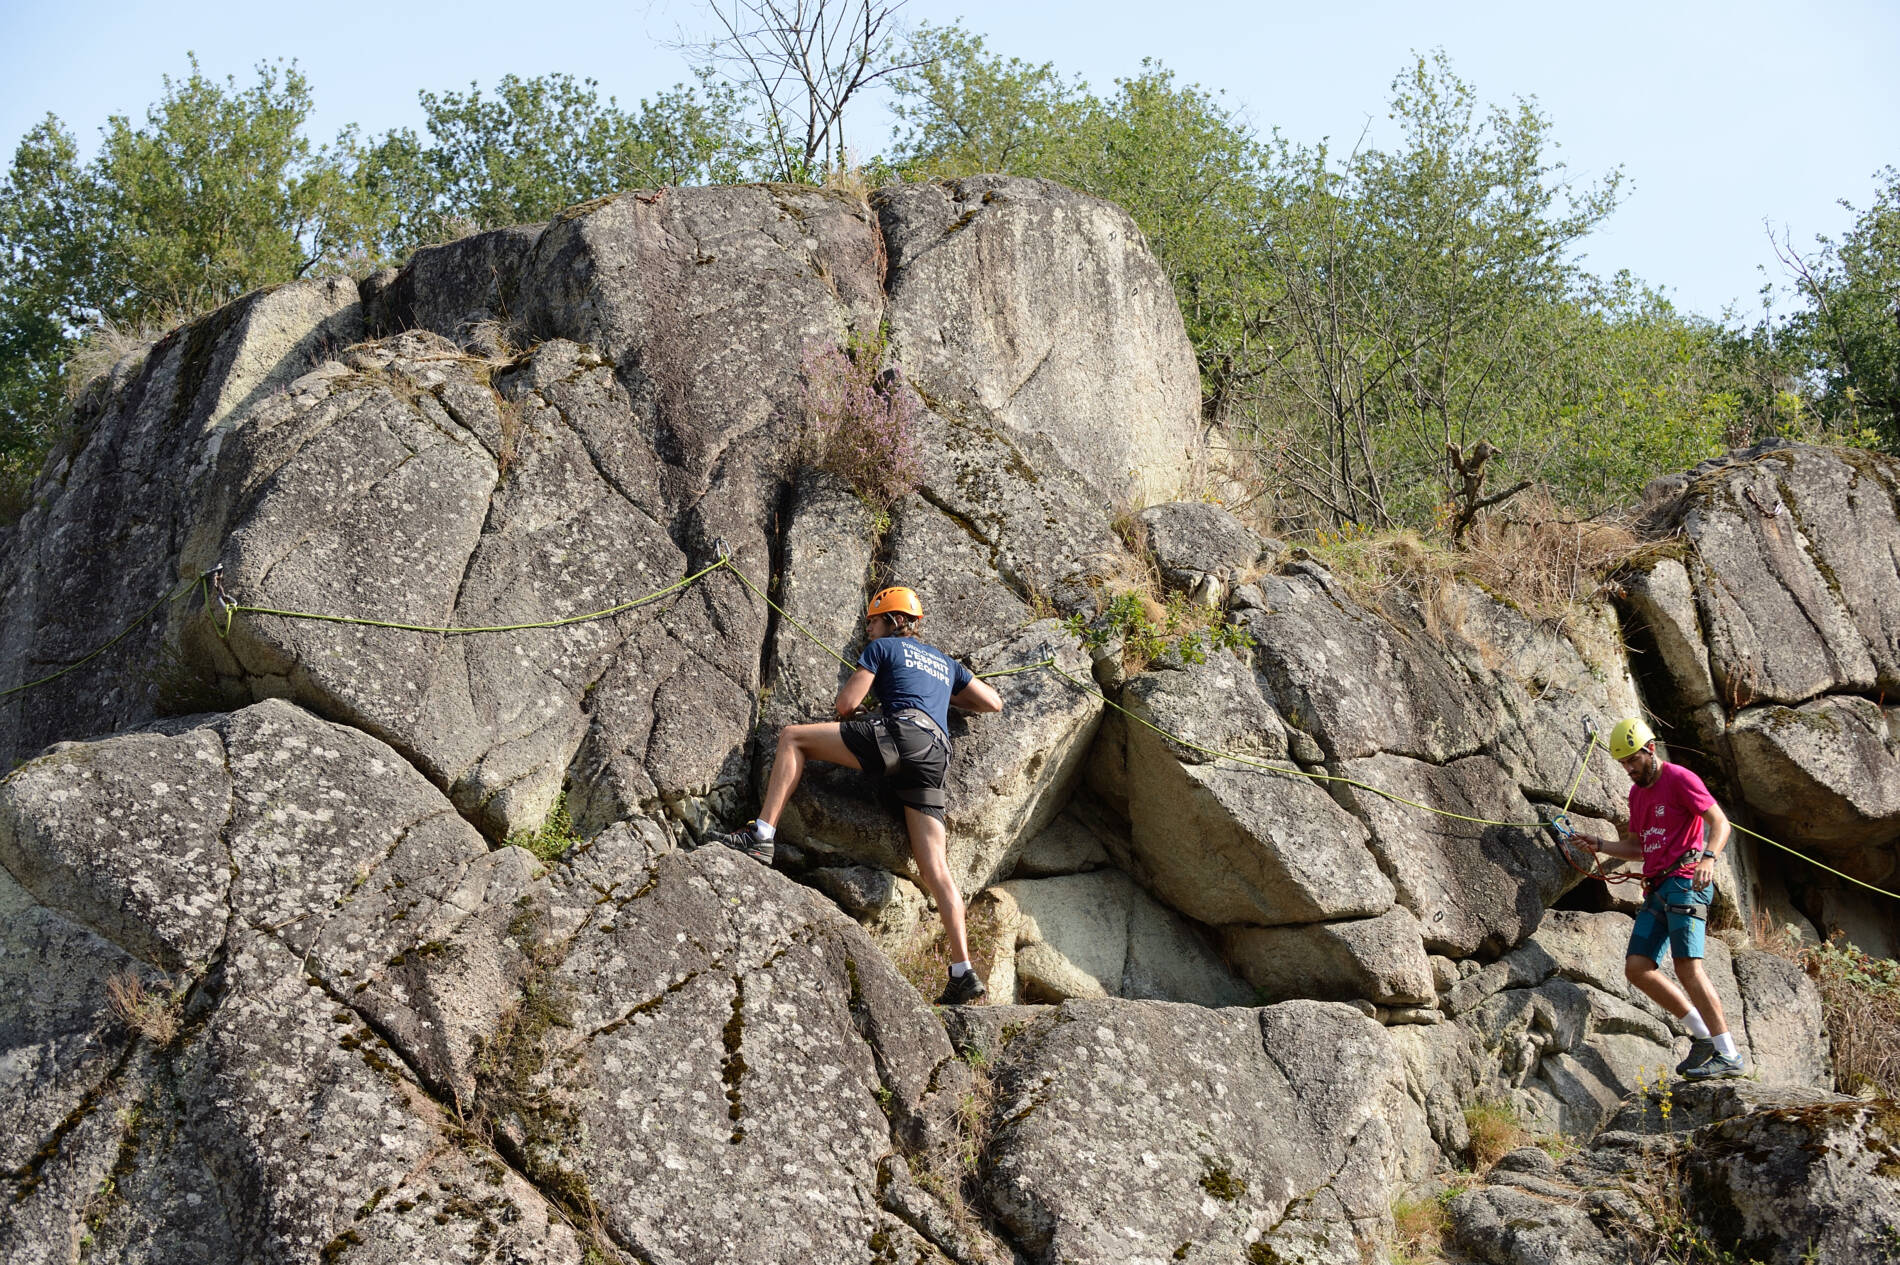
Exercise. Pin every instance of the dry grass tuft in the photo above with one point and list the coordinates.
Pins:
(1860, 1002)
(849, 177)
(510, 413)
(104, 345)
(1555, 570)
(1495, 1130)
(151, 1015)
(1419, 1227)
(1547, 564)
(925, 960)
(498, 341)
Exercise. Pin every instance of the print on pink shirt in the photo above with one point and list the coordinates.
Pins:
(1666, 816)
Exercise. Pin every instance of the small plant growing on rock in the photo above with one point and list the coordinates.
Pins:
(555, 836)
(861, 421)
(151, 1015)
(1219, 1181)
(1495, 1131)
(1151, 630)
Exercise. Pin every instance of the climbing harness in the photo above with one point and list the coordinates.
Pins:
(889, 750)
(216, 599)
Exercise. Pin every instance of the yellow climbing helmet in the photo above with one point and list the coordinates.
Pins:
(1629, 737)
(898, 601)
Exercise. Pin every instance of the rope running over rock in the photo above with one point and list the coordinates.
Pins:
(212, 585)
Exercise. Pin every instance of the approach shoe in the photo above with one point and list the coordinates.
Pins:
(962, 990)
(1701, 1049)
(1717, 1065)
(760, 850)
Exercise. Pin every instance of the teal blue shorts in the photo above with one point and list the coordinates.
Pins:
(1662, 920)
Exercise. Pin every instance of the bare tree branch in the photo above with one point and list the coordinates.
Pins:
(804, 61)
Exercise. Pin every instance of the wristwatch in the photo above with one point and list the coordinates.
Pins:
(1708, 855)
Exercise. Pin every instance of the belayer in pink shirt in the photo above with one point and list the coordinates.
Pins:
(1676, 830)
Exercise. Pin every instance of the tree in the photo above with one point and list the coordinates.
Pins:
(1852, 324)
(803, 61)
(1186, 166)
(538, 145)
(1632, 389)
(1191, 172)
(47, 246)
(962, 111)
(1420, 296)
(217, 193)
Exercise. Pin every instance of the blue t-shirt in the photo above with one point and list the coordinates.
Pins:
(912, 674)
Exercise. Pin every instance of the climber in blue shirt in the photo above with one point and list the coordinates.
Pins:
(907, 745)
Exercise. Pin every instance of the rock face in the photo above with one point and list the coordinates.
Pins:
(412, 481)
(1554, 1027)
(1237, 845)
(1099, 935)
(145, 437)
(1750, 1173)
(274, 985)
(1780, 633)
(1202, 549)
(358, 966)
(1040, 309)
(1154, 1132)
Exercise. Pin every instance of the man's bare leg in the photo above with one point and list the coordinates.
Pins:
(929, 849)
(1695, 991)
(797, 744)
(1647, 976)
(1696, 983)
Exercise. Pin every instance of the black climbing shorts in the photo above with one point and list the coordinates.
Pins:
(923, 758)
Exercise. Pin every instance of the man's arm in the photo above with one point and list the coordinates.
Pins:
(855, 688)
(1714, 839)
(977, 696)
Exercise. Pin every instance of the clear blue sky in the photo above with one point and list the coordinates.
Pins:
(1722, 115)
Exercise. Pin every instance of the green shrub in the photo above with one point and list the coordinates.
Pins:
(1149, 630)
(1860, 1000)
(555, 836)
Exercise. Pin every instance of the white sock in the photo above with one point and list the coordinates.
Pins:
(1693, 1022)
(764, 830)
(959, 969)
(1724, 1045)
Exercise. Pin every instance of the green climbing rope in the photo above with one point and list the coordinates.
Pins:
(811, 636)
(123, 633)
(1811, 861)
(236, 608)
(231, 609)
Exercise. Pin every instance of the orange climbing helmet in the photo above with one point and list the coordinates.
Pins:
(899, 601)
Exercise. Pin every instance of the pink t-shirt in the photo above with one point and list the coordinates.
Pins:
(1666, 818)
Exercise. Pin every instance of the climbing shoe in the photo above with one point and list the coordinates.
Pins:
(962, 990)
(760, 850)
(1701, 1049)
(1716, 1065)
